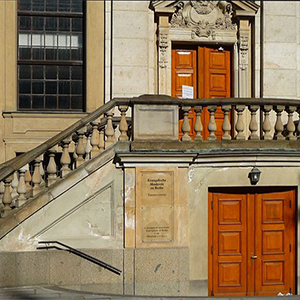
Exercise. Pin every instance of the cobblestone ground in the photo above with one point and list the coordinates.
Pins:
(57, 293)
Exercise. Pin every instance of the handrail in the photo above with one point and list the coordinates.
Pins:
(80, 254)
(9, 167)
(14, 164)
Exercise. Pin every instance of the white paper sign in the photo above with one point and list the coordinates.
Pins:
(187, 92)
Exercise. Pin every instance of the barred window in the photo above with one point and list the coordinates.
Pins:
(50, 54)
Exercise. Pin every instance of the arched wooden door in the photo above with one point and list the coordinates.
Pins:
(208, 71)
(252, 243)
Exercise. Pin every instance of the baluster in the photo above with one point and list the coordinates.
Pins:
(80, 149)
(212, 126)
(42, 170)
(51, 168)
(65, 159)
(14, 185)
(278, 125)
(1, 192)
(253, 126)
(198, 124)
(266, 124)
(123, 127)
(36, 177)
(101, 140)
(95, 139)
(88, 147)
(186, 124)
(298, 127)
(21, 188)
(290, 125)
(7, 199)
(239, 126)
(109, 130)
(28, 178)
(226, 123)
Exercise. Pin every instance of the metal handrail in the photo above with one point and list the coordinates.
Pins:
(80, 254)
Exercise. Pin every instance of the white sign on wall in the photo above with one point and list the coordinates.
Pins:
(187, 92)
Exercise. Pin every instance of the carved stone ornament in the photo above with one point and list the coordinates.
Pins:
(204, 18)
(244, 46)
(163, 45)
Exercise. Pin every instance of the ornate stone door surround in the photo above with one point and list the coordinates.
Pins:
(203, 22)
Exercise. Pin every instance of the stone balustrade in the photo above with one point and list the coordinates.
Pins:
(242, 119)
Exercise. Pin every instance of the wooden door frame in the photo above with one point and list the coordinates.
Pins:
(249, 190)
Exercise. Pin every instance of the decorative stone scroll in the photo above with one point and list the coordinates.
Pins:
(204, 18)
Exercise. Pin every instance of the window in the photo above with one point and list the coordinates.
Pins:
(50, 54)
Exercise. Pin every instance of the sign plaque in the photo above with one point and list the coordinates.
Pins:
(157, 197)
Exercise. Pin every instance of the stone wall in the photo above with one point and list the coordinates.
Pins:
(144, 271)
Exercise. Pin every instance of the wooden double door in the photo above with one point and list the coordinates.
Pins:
(252, 243)
(206, 69)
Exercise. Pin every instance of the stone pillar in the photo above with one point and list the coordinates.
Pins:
(163, 55)
(244, 68)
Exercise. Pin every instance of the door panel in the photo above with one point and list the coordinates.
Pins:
(252, 243)
(274, 233)
(214, 76)
(229, 244)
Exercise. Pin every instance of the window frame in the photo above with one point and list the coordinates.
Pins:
(55, 63)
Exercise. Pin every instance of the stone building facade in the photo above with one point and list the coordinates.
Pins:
(207, 230)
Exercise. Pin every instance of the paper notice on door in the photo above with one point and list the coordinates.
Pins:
(187, 92)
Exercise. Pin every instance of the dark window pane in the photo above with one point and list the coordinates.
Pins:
(37, 72)
(77, 24)
(38, 23)
(51, 24)
(50, 102)
(24, 53)
(64, 72)
(76, 87)
(76, 54)
(64, 24)
(24, 5)
(76, 5)
(51, 54)
(76, 102)
(64, 5)
(24, 72)
(24, 101)
(51, 72)
(51, 87)
(64, 87)
(25, 23)
(37, 5)
(38, 53)
(37, 102)
(76, 72)
(38, 87)
(64, 102)
(24, 87)
(63, 54)
(51, 5)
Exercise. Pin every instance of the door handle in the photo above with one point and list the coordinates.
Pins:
(253, 257)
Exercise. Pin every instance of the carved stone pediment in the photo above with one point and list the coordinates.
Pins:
(203, 18)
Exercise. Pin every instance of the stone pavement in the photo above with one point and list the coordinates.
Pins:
(52, 292)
